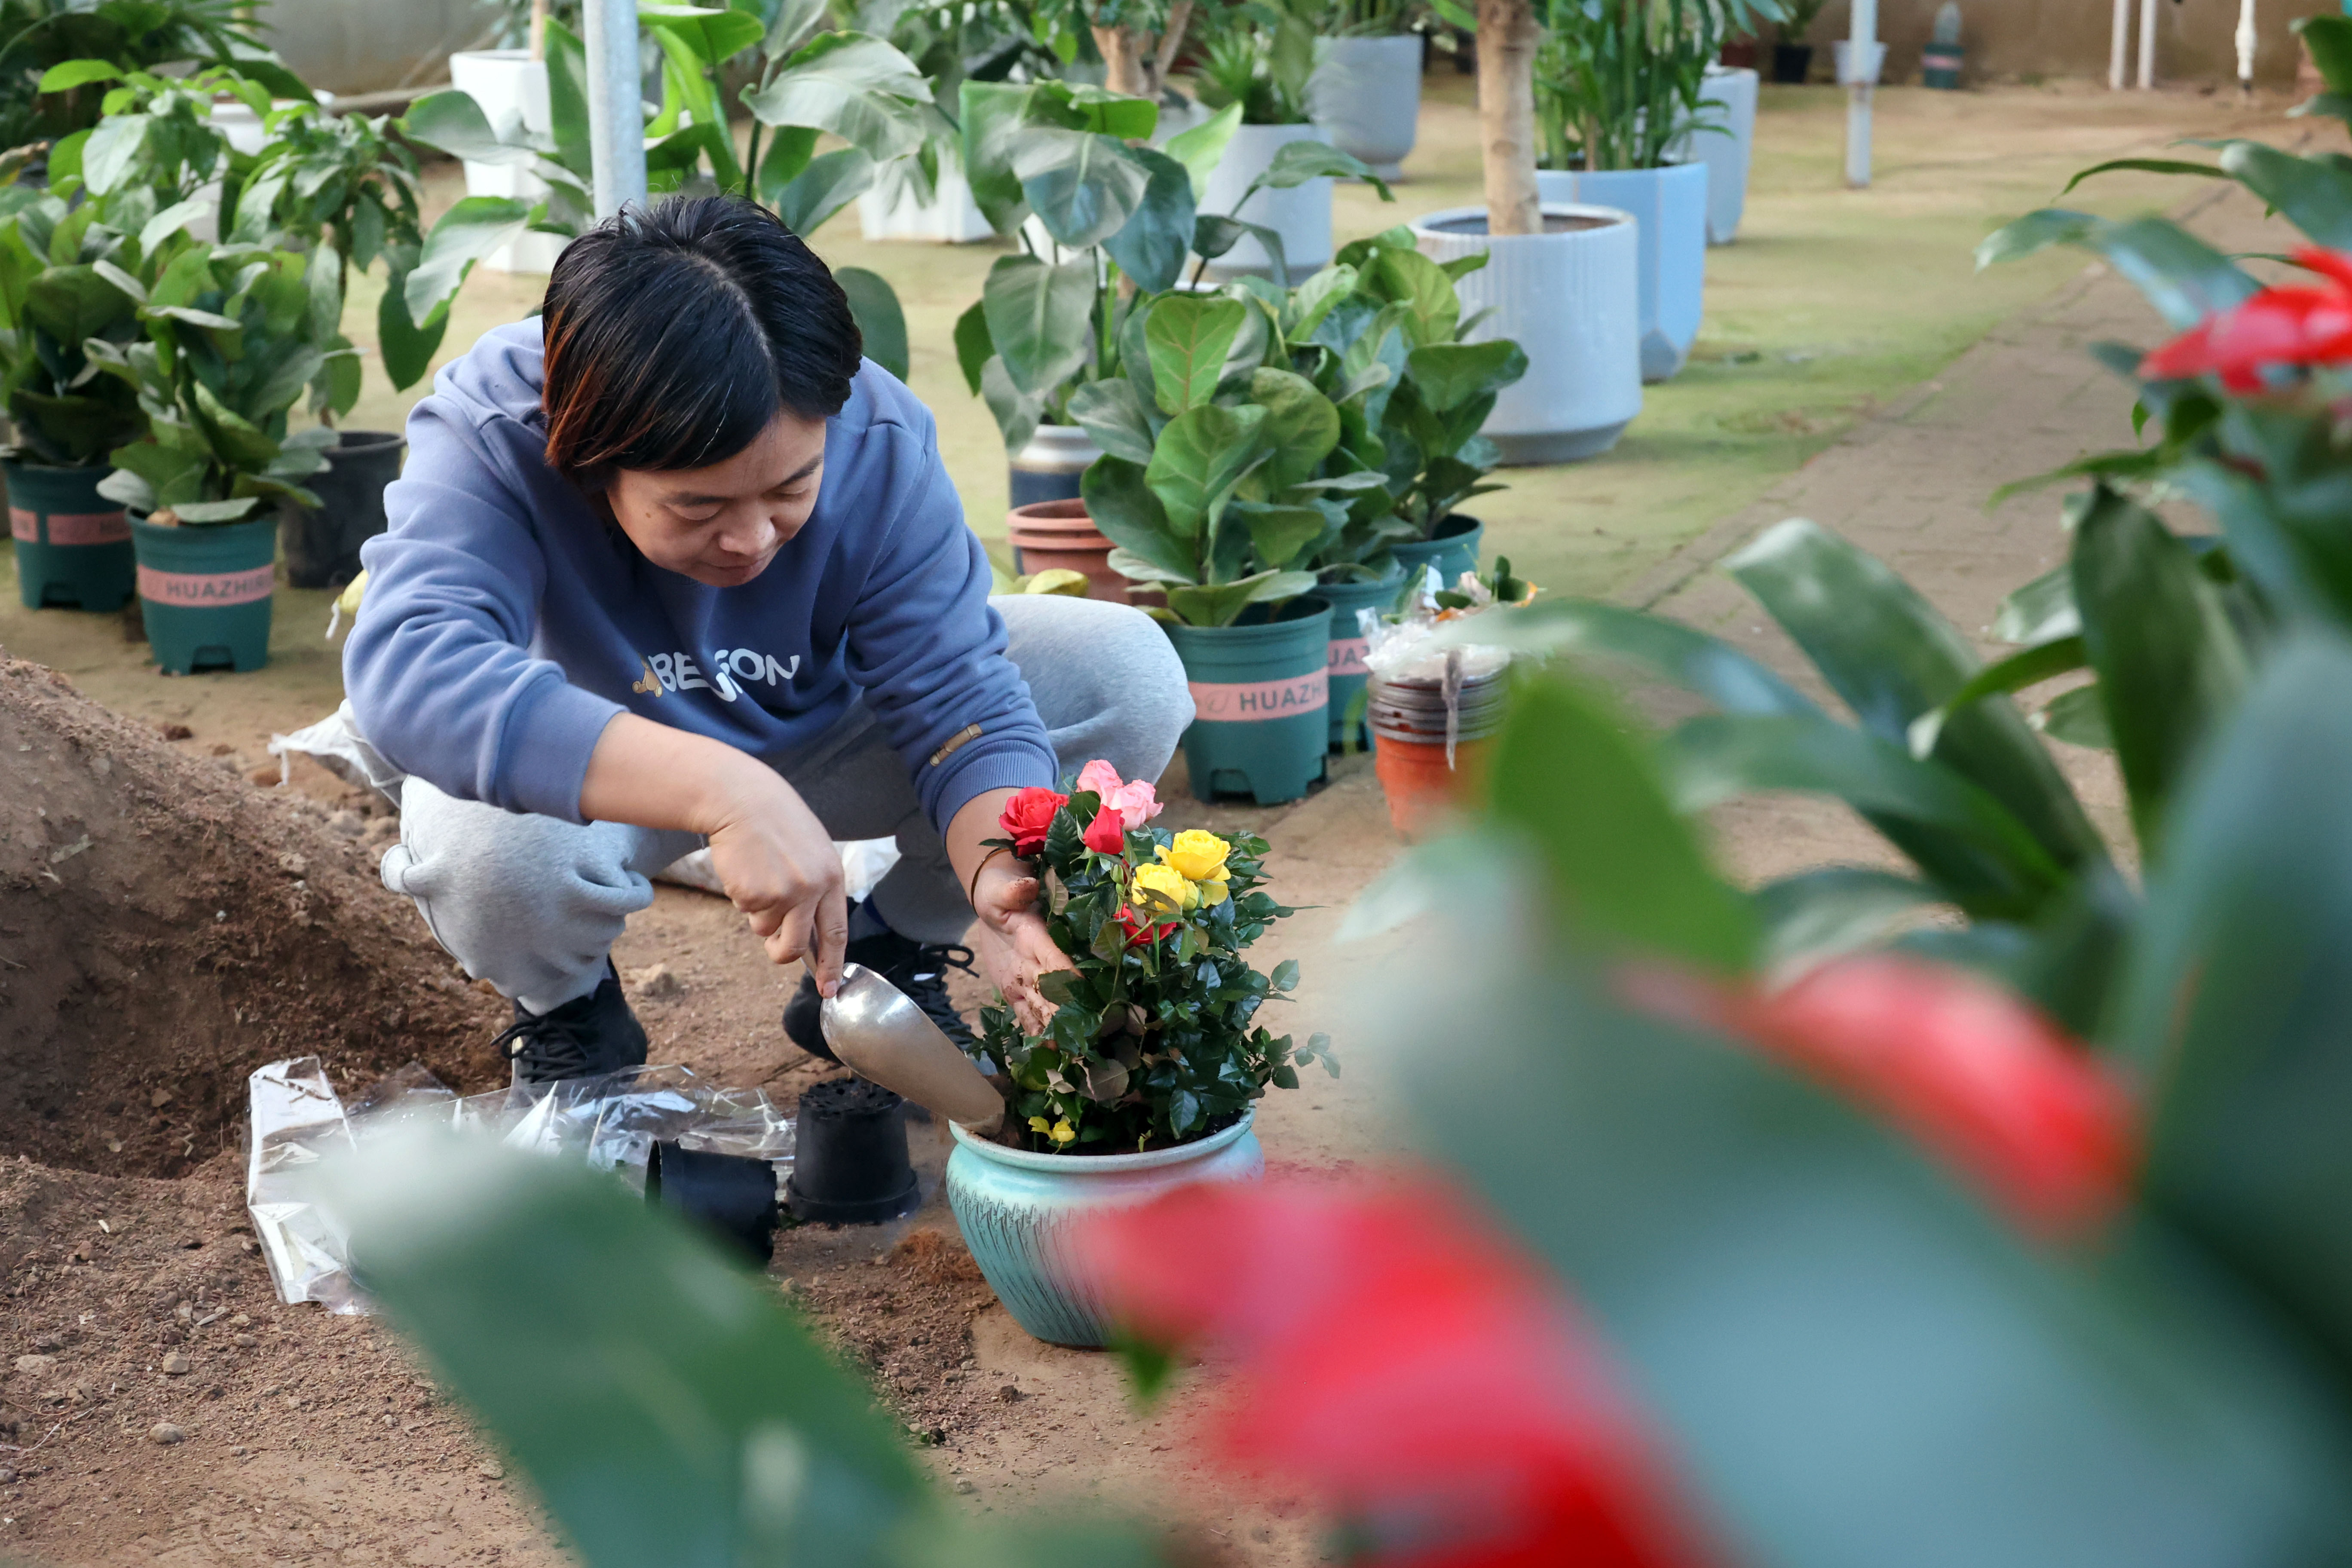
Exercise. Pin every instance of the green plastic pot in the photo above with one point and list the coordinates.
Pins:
(1452, 552)
(1261, 696)
(1347, 652)
(73, 545)
(204, 592)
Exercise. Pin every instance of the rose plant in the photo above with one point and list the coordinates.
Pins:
(1155, 1038)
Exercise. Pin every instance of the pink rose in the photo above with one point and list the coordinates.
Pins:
(1136, 803)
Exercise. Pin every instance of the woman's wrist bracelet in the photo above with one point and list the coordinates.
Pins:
(971, 893)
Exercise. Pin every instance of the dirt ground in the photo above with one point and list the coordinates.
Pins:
(132, 1299)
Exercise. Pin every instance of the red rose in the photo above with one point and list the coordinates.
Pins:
(1027, 816)
(1107, 834)
(1139, 929)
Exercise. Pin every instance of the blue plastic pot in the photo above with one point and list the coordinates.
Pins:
(1021, 1214)
(1669, 208)
(205, 593)
(1454, 552)
(1261, 700)
(73, 545)
(1347, 667)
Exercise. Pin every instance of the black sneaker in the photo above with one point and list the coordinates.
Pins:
(917, 968)
(594, 1034)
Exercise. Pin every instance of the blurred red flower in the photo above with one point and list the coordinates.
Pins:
(1390, 1353)
(1138, 929)
(2290, 323)
(1974, 1075)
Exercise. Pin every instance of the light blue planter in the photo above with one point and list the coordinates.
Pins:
(1019, 1212)
(1669, 208)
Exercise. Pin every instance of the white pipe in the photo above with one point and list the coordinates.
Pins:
(2146, 44)
(616, 105)
(2119, 46)
(2245, 41)
(1863, 45)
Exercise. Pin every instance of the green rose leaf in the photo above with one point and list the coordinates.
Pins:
(1188, 337)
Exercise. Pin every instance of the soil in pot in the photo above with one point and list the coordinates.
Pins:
(849, 1156)
(322, 544)
(1050, 535)
(73, 545)
(205, 593)
(1261, 699)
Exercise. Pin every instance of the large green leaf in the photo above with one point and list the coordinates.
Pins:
(1112, 411)
(1123, 509)
(829, 182)
(467, 232)
(2002, 677)
(453, 122)
(1222, 604)
(1302, 426)
(1451, 375)
(2329, 41)
(2311, 194)
(1277, 534)
(1199, 459)
(2238, 1008)
(1038, 318)
(1818, 914)
(1082, 186)
(1666, 648)
(1884, 650)
(1151, 246)
(1202, 148)
(2185, 279)
(1188, 337)
(880, 321)
(857, 87)
(1296, 163)
(2169, 662)
(991, 115)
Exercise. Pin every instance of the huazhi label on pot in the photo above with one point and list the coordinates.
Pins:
(1348, 656)
(71, 527)
(1244, 702)
(207, 588)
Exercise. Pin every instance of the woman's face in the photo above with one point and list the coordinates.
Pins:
(722, 525)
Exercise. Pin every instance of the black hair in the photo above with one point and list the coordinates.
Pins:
(675, 333)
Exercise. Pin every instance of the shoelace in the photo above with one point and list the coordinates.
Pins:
(544, 1045)
(926, 987)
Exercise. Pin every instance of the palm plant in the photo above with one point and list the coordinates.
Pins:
(1617, 83)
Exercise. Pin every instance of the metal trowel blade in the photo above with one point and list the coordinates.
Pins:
(885, 1038)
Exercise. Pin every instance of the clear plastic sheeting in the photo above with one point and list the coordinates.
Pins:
(610, 1121)
(1407, 649)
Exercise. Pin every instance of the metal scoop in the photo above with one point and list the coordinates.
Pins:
(885, 1038)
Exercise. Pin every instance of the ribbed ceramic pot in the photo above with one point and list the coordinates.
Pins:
(1301, 215)
(1367, 94)
(1570, 297)
(1347, 647)
(1050, 467)
(1021, 1214)
(1261, 696)
(73, 545)
(1669, 208)
(1453, 550)
(205, 593)
(1050, 535)
(1726, 152)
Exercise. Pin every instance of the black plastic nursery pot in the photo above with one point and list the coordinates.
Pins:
(1453, 549)
(733, 1195)
(73, 545)
(849, 1156)
(1791, 63)
(1261, 700)
(205, 593)
(1348, 645)
(322, 545)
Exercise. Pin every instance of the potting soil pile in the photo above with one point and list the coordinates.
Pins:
(612, 1121)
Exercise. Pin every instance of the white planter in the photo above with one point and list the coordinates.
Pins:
(1367, 93)
(1669, 206)
(512, 89)
(949, 217)
(1569, 298)
(1726, 152)
(1301, 215)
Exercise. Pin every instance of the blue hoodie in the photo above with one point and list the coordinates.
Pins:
(506, 622)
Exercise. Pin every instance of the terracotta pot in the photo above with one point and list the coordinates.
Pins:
(1423, 794)
(1050, 535)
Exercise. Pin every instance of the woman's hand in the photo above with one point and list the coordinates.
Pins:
(1015, 948)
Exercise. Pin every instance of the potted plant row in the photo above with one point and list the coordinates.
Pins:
(1367, 86)
(1259, 57)
(1148, 1075)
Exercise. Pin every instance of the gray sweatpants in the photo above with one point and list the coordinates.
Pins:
(533, 904)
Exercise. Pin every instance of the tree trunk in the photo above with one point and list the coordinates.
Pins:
(1136, 62)
(1507, 115)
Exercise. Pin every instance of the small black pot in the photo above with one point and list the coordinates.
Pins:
(849, 1156)
(322, 546)
(730, 1193)
(1791, 63)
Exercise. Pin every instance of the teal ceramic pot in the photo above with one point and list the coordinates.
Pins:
(203, 592)
(1020, 1214)
(1454, 552)
(1347, 646)
(1261, 700)
(73, 545)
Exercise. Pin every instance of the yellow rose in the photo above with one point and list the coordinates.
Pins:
(1059, 1132)
(1162, 890)
(1198, 856)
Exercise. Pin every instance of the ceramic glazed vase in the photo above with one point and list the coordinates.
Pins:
(1301, 215)
(1570, 296)
(1261, 702)
(73, 545)
(1021, 1214)
(1669, 208)
(205, 593)
(1367, 94)
(1051, 465)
